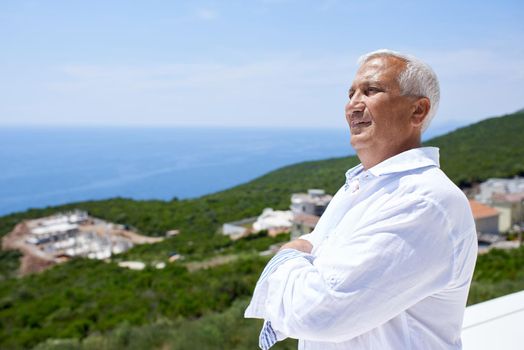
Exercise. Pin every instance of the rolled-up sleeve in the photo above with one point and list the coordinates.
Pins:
(363, 277)
(257, 307)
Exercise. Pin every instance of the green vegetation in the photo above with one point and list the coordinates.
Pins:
(85, 296)
(86, 304)
(227, 330)
(8, 263)
(497, 273)
(491, 148)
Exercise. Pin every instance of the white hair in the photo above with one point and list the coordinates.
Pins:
(417, 79)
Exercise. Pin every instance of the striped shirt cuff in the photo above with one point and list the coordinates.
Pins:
(268, 336)
(280, 258)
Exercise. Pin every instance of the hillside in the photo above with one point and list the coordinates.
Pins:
(86, 299)
(492, 147)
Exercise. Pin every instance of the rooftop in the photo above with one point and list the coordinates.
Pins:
(56, 227)
(508, 197)
(318, 197)
(306, 219)
(481, 211)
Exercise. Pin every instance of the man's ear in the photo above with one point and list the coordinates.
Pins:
(420, 111)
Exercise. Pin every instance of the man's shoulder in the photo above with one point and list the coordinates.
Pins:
(432, 185)
(432, 182)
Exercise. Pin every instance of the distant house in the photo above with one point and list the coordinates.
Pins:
(486, 218)
(303, 224)
(307, 209)
(314, 202)
(507, 196)
(57, 238)
(238, 229)
(511, 208)
(274, 221)
(499, 186)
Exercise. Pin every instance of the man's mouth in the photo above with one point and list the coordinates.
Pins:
(359, 124)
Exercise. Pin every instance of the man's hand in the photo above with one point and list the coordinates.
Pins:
(298, 244)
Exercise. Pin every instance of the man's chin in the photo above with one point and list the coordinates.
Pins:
(358, 131)
(358, 139)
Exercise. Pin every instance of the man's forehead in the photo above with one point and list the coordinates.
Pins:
(384, 62)
(379, 70)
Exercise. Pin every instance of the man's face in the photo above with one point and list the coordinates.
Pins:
(377, 114)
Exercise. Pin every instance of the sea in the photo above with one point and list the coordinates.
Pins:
(47, 166)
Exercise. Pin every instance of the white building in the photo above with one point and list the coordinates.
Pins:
(499, 186)
(307, 209)
(274, 221)
(314, 202)
(238, 229)
(66, 235)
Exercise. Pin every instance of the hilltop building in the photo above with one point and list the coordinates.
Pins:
(511, 209)
(238, 229)
(303, 224)
(57, 238)
(499, 186)
(274, 221)
(507, 196)
(486, 218)
(307, 209)
(314, 202)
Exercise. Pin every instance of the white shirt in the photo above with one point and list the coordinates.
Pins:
(392, 260)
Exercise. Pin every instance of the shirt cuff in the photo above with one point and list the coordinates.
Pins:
(280, 258)
(256, 307)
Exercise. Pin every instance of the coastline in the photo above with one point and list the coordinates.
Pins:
(71, 165)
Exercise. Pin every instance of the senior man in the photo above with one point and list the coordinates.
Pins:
(390, 262)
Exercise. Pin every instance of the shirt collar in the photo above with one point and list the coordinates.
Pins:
(408, 160)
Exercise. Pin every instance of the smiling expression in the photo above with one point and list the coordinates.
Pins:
(378, 115)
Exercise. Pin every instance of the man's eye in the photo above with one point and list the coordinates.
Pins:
(372, 90)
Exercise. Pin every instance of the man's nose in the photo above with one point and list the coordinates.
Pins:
(355, 102)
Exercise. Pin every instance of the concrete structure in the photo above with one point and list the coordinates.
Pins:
(303, 224)
(238, 229)
(486, 217)
(307, 209)
(274, 221)
(511, 209)
(492, 186)
(55, 239)
(507, 196)
(314, 202)
(494, 324)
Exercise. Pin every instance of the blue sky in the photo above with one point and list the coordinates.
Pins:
(282, 63)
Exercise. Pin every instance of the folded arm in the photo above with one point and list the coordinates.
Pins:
(361, 279)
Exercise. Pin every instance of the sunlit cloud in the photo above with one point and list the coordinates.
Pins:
(284, 89)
